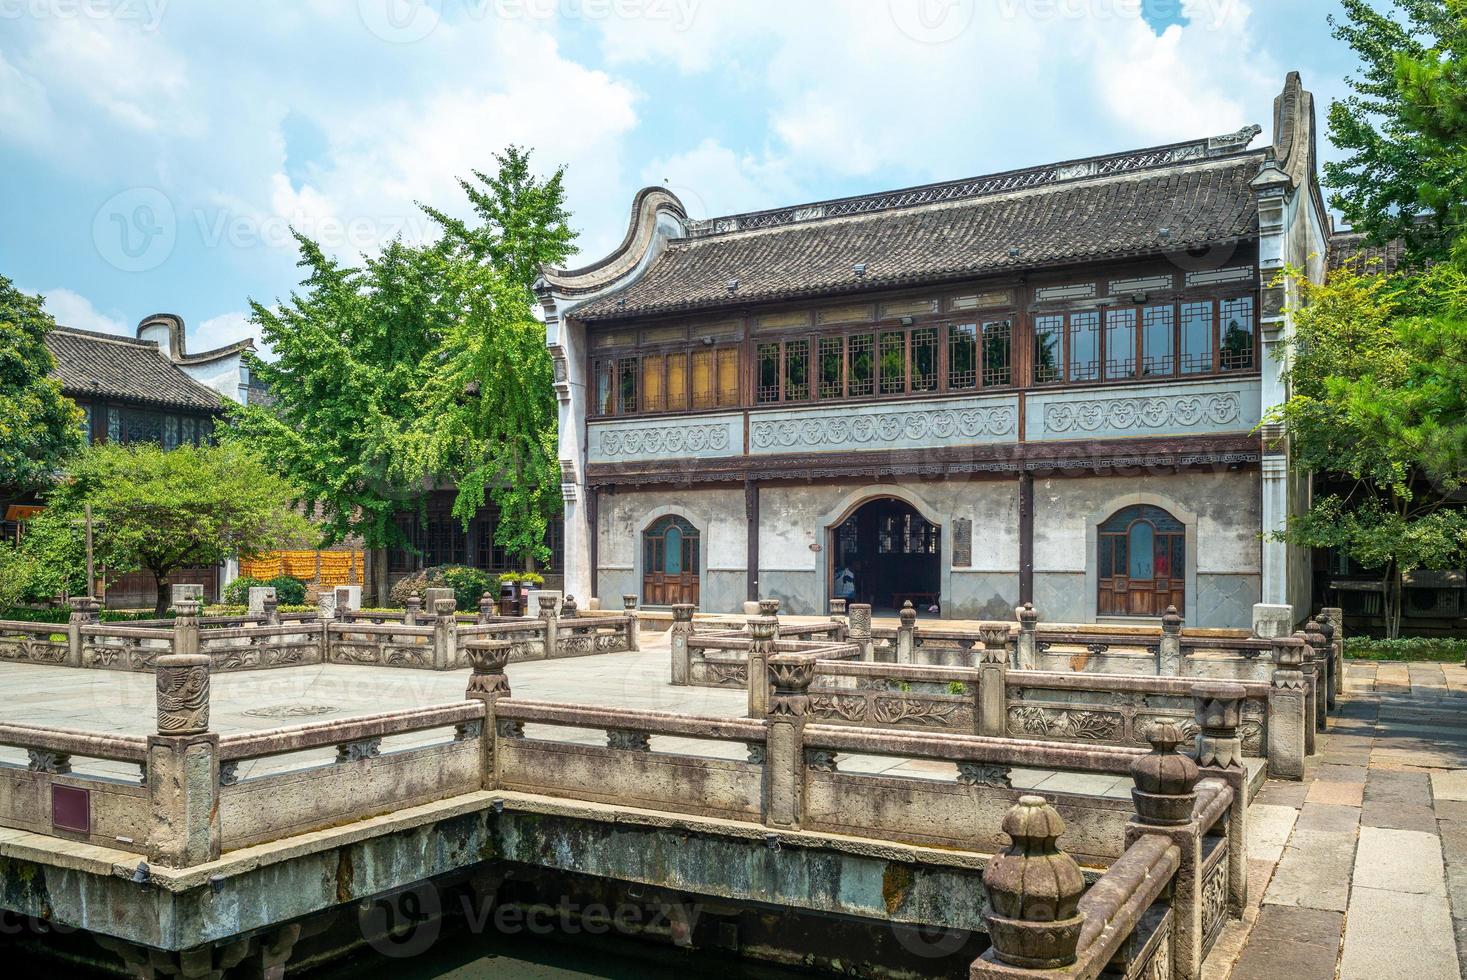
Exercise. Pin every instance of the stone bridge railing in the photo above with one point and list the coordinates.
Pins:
(1166, 868)
(407, 639)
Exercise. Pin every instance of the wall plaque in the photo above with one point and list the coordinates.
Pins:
(962, 543)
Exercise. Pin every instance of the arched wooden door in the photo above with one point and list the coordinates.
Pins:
(1142, 562)
(670, 561)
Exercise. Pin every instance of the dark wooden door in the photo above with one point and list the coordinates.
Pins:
(670, 560)
(1141, 563)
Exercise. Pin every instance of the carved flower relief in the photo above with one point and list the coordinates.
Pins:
(672, 439)
(1133, 413)
(1101, 726)
(847, 707)
(887, 427)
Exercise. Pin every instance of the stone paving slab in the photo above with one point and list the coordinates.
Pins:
(1292, 943)
(1395, 935)
(1399, 860)
(1314, 872)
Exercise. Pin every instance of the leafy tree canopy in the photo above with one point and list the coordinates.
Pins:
(161, 511)
(424, 366)
(1376, 369)
(39, 427)
(1405, 125)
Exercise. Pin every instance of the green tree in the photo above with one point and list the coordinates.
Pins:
(161, 511)
(39, 427)
(423, 366)
(490, 419)
(352, 350)
(523, 222)
(1376, 411)
(1405, 125)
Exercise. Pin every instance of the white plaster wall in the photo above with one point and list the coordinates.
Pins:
(225, 375)
(1226, 504)
(717, 512)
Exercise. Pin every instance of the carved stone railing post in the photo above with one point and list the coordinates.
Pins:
(906, 651)
(568, 608)
(1337, 620)
(186, 626)
(682, 628)
(488, 683)
(1165, 795)
(183, 764)
(1323, 654)
(1034, 890)
(487, 608)
(842, 621)
(763, 630)
(1309, 635)
(790, 675)
(412, 610)
(634, 623)
(84, 612)
(445, 635)
(1286, 709)
(1169, 647)
(1026, 654)
(993, 668)
(861, 630)
(270, 608)
(546, 612)
(1331, 663)
(1219, 712)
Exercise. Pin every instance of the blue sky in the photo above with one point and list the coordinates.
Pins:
(155, 153)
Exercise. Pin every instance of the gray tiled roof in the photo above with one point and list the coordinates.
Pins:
(1199, 202)
(97, 364)
(1350, 247)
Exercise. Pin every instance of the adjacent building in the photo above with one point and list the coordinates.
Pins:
(1044, 384)
(146, 388)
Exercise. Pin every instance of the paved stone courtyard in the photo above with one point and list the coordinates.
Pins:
(1359, 872)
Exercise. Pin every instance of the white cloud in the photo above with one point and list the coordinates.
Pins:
(25, 112)
(71, 309)
(218, 331)
(711, 179)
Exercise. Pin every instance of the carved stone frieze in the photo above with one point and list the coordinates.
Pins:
(821, 760)
(846, 707)
(1154, 412)
(182, 682)
(657, 440)
(887, 427)
(1032, 719)
(984, 774)
(911, 710)
(1215, 896)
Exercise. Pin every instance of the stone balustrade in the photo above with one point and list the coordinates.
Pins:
(991, 698)
(411, 638)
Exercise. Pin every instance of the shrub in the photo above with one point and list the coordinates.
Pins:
(468, 584)
(534, 578)
(289, 591)
(1443, 649)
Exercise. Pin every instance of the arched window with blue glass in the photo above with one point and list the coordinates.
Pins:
(1142, 562)
(670, 561)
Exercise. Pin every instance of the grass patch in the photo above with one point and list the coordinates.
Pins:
(1434, 649)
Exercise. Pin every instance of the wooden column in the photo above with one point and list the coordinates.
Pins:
(593, 497)
(1026, 537)
(751, 523)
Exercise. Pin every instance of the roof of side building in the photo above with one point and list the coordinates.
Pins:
(99, 364)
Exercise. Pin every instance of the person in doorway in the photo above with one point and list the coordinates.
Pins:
(845, 583)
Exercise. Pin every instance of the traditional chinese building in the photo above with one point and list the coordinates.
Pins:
(147, 388)
(1044, 384)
